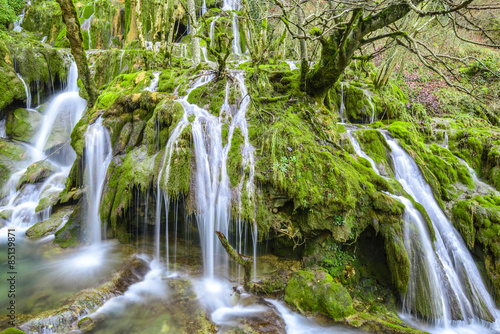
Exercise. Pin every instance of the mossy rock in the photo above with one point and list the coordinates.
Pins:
(45, 227)
(72, 233)
(23, 124)
(11, 87)
(36, 172)
(12, 331)
(315, 291)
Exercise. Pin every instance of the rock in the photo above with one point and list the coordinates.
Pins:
(37, 172)
(23, 124)
(315, 291)
(45, 227)
(11, 87)
(269, 320)
(71, 233)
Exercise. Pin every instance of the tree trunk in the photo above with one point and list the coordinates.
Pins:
(74, 34)
(194, 32)
(245, 261)
(138, 16)
(304, 64)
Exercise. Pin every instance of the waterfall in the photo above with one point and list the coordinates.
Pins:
(360, 152)
(27, 91)
(19, 21)
(204, 51)
(68, 104)
(65, 108)
(204, 7)
(462, 293)
(213, 191)
(292, 64)
(369, 97)
(234, 5)
(87, 24)
(342, 106)
(445, 144)
(212, 31)
(153, 86)
(98, 154)
(121, 58)
(2, 128)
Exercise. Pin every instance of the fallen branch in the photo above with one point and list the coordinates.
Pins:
(245, 261)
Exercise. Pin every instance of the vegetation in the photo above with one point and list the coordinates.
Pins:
(322, 81)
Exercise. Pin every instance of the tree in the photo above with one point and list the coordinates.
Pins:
(73, 31)
(345, 28)
(194, 32)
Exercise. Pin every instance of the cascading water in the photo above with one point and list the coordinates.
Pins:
(19, 21)
(121, 59)
(65, 108)
(292, 64)
(204, 52)
(360, 152)
(27, 91)
(234, 5)
(462, 294)
(86, 25)
(153, 86)
(2, 128)
(98, 155)
(212, 182)
(342, 106)
(445, 144)
(204, 7)
(212, 31)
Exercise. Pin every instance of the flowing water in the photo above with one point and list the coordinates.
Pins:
(27, 91)
(234, 5)
(19, 21)
(460, 296)
(2, 128)
(445, 286)
(98, 155)
(292, 64)
(22, 202)
(342, 106)
(153, 86)
(87, 24)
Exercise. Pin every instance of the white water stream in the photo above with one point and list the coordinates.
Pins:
(22, 203)
(444, 281)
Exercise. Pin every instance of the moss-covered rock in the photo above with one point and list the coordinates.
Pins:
(11, 87)
(23, 124)
(50, 225)
(36, 172)
(73, 232)
(315, 291)
(478, 221)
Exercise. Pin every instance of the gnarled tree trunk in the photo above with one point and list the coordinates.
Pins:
(73, 31)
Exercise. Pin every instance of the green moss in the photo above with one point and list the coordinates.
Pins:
(315, 291)
(234, 158)
(22, 124)
(36, 172)
(45, 227)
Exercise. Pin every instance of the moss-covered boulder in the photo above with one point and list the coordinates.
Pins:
(50, 225)
(36, 172)
(11, 87)
(315, 291)
(73, 233)
(23, 124)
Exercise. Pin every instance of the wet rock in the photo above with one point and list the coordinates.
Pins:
(45, 227)
(22, 124)
(37, 172)
(315, 291)
(269, 320)
(71, 234)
